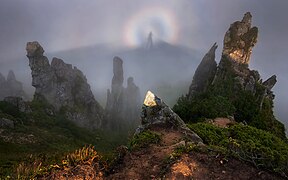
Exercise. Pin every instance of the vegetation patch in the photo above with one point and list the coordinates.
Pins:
(143, 139)
(39, 167)
(247, 143)
(43, 137)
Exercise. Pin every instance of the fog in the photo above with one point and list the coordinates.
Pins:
(88, 34)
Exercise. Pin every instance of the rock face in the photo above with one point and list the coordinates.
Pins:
(11, 87)
(156, 113)
(240, 39)
(63, 86)
(204, 73)
(123, 104)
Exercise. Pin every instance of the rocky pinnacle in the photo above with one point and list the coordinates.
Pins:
(204, 73)
(240, 39)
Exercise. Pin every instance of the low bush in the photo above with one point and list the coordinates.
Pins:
(247, 143)
(143, 139)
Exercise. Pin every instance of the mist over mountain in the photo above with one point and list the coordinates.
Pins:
(164, 67)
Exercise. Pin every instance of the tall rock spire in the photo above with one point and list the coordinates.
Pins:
(204, 73)
(240, 39)
(115, 96)
(123, 104)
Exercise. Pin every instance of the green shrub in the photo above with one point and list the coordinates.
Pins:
(203, 106)
(209, 133)
(253, 145)
(143, 139)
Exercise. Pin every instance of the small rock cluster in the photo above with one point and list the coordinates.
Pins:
(156, 113)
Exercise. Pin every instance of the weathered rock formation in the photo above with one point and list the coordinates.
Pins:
(156, 113)
(240, 39)
(237, 48)
(250, 98)
(63, 86)
(11, 87)
(115, 96)
(123, 104)
(204, 73)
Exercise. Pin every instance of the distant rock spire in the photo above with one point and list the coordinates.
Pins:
(123, 104)
(149, 44)
(11, 76)
(11, 87)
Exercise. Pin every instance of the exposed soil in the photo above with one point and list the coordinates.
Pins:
(147, 163)
(202, 166)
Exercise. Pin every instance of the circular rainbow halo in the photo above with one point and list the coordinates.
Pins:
(160, 21)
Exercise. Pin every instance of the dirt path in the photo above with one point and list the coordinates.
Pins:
(146, 163)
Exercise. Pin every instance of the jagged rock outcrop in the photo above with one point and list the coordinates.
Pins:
(235, 90)
(204, 73)
(11, 87)
(237, 48)
(63, 86)
(156, 113)
(240, 39)
(123, 104)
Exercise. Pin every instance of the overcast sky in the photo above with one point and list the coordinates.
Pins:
(65, 24)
